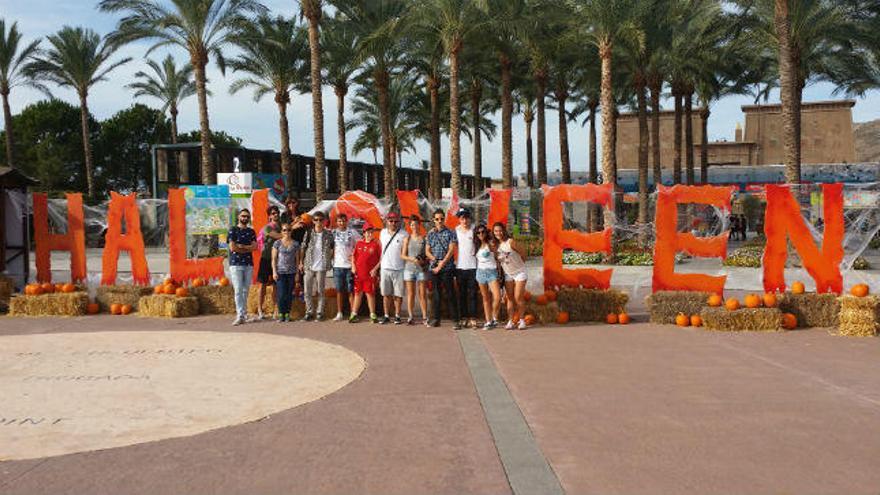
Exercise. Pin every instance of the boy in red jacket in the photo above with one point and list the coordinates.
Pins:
(365, 268)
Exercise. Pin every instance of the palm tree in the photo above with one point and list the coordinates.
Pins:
(479, 68)
(787, 81)
(12, 60)
(273, 57)
(312, 10)
(536, 38)
(569, 59)
(201, 27)
(525, 103)
(78, 59)
(169, 84)
(339, 49)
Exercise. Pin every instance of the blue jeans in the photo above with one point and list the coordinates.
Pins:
(284, 286)
(241, 283)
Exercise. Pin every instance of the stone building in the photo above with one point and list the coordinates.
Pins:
(826, 137)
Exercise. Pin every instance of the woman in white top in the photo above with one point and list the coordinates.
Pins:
(487, 275)
(511, 257)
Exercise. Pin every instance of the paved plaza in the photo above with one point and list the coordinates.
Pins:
(563, 409)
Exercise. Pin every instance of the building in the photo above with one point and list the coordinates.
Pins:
(826, 137)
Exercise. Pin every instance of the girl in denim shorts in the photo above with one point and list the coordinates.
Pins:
(487, 274)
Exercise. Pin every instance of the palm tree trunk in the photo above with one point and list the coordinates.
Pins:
(689, 136)
(7, 126)
(541, 83)
(174, 112)
(676, 159)
(341, 91)
(436, 177)
(704, 144)
(314, 17)
(382, 79)
(476, 95)
(643, 162)
(608, 133)
(593, 210)
(565, 164)
(530, 165)
(506, 125)
(284, 129)
(87, 143)
(656, 86)
(798, 96)
(787, 81)
(454, 121)
(209, 172)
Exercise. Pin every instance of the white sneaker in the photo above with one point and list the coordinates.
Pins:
(510, 325)
(259, 316)
(522, 325)
(237, 322)
(339, 317)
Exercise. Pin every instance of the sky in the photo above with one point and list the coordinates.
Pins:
(257, 122)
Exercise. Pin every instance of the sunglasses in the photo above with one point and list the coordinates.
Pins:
(285, 230)
(438, 219)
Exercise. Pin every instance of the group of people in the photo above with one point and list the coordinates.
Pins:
(464, 267)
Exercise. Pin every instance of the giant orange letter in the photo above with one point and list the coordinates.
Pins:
(556, 238)
(124, 207)
(357, 204)
(669, 241)
(783, 216)
(73, 241)
(182, 268)
(259, 219)
(499, 206)
(409, 206)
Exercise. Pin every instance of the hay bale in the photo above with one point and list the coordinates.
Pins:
(546, 313)
(664, 305)
(591, 304)
(7, 287)
(811, 309)
(253, 300)
(745, 319)
(121, 294)
(168, 306)
(215, 299)
(858, 316)
(54, 304)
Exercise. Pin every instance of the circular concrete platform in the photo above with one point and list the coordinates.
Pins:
(76, 392)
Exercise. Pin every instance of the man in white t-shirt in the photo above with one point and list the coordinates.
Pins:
(344, 240)
(391, 267)
(466, 269)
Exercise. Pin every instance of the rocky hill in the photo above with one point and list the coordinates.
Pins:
(867, 141)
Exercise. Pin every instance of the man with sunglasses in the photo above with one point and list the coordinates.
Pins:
(242, 242)
(391, 267)
(440, 249)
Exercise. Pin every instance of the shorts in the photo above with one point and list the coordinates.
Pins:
(391, 282)
(516, 277)
(264, 273)
(486, 275)
(414, 276)
(343, 279)
(365, 285)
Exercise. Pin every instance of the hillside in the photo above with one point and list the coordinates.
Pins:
(867, 140)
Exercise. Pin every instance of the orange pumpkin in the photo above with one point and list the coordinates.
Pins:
(527, 296)
(611, 319)
(181, 292)
(168, 280)
(223, 282)
(29, 290)
(623, 318)
(682, 320)
(59, 287)
(530, 319)
(752, 301)
(797, 288)
(715, 300)
(789, 321)
(158, 289)
(169, 289)
(125, 309)
(770, 299)
(859, 290)
(37, 290)
(47, 288)
(198, 282)
(115, 309)
(93, 308)
(696, 321)
(306, 218)
(68, 288)
(541, 300)
(732, 304)
(562, 317)
(550, 295)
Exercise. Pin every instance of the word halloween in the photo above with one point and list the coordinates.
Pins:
(783, 221)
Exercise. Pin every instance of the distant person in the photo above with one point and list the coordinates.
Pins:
(440, 250)
(487, 275)
(316, 257)
(466, 269)
(344, 240)
(414, 275)
(391, 269)
(267, 237)
(242, 241)
(512, 259)
(284, 267)
(365, 267)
